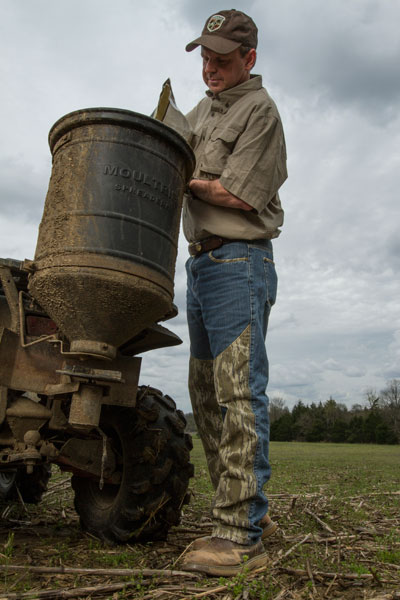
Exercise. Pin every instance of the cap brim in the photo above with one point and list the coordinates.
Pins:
(215, 43)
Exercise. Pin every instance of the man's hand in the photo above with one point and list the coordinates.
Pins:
(213, 192)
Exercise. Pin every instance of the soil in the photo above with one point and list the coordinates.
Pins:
(313, 554)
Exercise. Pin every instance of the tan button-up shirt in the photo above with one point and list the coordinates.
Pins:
(238, 139)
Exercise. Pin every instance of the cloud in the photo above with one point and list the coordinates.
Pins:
(339, 53)
(332, 68)
(18, 238)
(332, 365)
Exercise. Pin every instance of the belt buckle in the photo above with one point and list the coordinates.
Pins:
(211, 243)
(195, 248)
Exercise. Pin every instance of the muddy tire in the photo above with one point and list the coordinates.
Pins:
(31, 487)
(153, 452)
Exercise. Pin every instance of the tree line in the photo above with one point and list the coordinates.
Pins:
(375, 422)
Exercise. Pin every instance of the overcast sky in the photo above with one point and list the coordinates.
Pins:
(333, 69)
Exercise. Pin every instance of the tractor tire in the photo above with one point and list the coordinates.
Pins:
(31, 486)
(153, 452)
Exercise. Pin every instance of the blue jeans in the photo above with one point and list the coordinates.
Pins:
(229, 296)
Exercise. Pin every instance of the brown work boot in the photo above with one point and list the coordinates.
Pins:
(223, 558)
(268, 528)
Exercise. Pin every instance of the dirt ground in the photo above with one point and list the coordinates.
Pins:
(316, 553)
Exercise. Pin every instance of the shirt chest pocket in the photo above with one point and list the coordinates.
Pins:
(217, 149)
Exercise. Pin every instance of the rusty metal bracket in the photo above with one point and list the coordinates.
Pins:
(93, 457)
(11, 293)
(21, 314)
(57, 389)
(90, 374)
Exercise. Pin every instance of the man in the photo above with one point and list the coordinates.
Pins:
(229, 218)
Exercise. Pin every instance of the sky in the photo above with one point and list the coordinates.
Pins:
(332, 67)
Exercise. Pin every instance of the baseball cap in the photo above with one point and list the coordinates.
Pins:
(225, 31)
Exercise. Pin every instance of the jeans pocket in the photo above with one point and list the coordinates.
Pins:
(229, 253)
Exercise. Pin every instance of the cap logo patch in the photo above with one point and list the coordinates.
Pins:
(215, 23)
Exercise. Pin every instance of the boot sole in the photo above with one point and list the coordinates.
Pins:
(228, 570)
(269, 530)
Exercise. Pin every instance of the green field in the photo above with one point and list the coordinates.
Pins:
(338, 509)
(334, 468)
(347, 497)
(329, 469)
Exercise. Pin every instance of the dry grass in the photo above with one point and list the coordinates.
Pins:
(338, 538)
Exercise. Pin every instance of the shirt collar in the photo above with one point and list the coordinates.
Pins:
(233, 94)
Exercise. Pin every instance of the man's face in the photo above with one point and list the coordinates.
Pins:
(224, 71)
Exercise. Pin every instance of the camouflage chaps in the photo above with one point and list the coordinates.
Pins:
(228, 374)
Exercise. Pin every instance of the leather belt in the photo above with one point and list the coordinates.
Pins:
(208, 244)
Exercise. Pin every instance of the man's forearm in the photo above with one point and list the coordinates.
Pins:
(213, 192)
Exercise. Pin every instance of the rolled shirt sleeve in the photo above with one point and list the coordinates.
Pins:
(256, 169)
